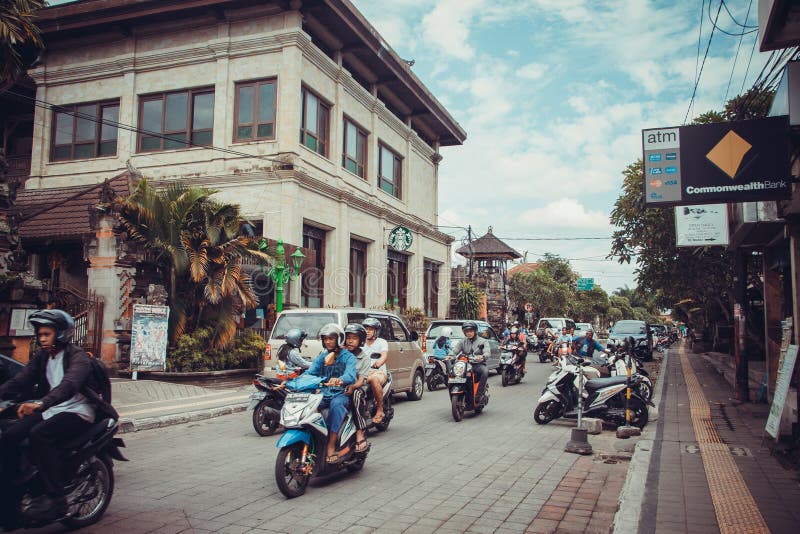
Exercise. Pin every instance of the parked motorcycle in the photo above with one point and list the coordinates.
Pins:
(464, 389)
(302, 447)
(601, 397)
(89, 460)
(435, 373)
(510, 368)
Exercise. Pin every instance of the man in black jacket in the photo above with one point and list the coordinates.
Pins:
(57, 375)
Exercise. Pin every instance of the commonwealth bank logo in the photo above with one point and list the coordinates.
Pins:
(728, 154)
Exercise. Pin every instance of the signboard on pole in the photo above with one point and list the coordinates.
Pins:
(781, 390)
(400, 238)
(742, 161)
(149, 335)
(585, 284)
(701, 226)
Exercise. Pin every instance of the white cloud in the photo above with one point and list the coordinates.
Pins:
(565, 215)
(532, 71)
(447, 27)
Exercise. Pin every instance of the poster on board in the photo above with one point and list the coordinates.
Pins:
(149, 336)
(704, 225)
(781, 390)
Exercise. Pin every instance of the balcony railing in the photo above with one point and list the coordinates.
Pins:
(19, 166)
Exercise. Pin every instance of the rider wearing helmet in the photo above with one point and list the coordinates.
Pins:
(516, 336)
(290, 352)
(58, 376)
(355, 336)
(477, 348)
(337, 366)
(378, 350)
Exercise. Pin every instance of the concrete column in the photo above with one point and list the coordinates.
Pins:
(337, 269)
(104, 280)
(772, 319)
(289, 99)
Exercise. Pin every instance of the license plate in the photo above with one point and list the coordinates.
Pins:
(430, 365)
(457, 381)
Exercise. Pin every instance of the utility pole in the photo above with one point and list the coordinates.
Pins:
(469, 246)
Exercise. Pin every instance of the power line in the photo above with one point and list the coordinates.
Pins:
(697, 81)
(716, 27)
(554, 238)
(736, 57)
(699, 40)
(747, 70)
(734, 18)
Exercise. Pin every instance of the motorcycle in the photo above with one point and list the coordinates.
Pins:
(372, 406)
(600, 397)
(543, 345)
(435, 373)
(89, 460)
(305, 440)
(464, 389)
(510, 368)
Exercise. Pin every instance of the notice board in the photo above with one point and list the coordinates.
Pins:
(781, 390)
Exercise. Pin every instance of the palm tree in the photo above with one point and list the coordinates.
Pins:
(20, 39)
(196, 240)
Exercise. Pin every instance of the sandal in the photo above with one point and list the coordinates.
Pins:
(363, 445)
(337, 457)
(378, 419)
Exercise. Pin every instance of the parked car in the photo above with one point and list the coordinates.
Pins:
(484, 330)
(582, 328)
(8, 367)
(638, 330)
(405, 356)
(555, 324)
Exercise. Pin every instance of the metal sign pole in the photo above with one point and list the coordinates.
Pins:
(579, 444)
(627, 430)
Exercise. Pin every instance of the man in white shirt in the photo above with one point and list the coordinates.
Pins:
(378, 349)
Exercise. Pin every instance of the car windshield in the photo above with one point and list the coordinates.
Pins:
(310, 323)
(628, 328)
(556, 324)
(436, 330)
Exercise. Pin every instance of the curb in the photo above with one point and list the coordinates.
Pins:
(631, 498)
(134, 425)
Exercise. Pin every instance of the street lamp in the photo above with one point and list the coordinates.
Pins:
(280, 275)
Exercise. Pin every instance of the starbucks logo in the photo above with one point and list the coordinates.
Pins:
(400, 238)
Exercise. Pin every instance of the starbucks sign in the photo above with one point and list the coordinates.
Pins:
(400, 238)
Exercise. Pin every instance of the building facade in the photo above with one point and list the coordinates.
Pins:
(296, 111)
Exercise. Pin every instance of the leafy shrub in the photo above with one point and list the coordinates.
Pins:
(193, 352)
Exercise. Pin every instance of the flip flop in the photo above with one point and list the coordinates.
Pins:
(378, 419)
(365, 447)
(337, 457)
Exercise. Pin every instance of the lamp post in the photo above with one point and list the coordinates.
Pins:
(281, 275)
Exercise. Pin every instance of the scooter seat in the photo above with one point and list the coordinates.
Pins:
(596, 383)
(94, 431)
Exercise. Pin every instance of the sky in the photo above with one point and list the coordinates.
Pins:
(553, 95)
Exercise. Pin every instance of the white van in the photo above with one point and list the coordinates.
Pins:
(405, 356)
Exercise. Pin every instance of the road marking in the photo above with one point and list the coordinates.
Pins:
(733, 503)
(186, 407)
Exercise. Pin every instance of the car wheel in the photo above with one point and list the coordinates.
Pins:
(417, 387)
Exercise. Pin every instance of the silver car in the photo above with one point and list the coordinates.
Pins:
(484, 330)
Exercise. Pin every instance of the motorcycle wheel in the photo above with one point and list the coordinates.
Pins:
(544, 413)
(387, 409)
(291, 482)
(94, 495)
(417, 387)
(639, 413)
(265, 420)
(435, 380)
(506, 377)
(457, 407)
(542, 357)
(646, 390)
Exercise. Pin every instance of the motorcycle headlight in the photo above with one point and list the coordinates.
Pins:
(459, 368)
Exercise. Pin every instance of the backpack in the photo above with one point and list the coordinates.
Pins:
(99, 381)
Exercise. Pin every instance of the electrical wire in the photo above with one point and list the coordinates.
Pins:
(747, 70)
(725, 5)
(699, 41)
(736, 57)
(700, 74)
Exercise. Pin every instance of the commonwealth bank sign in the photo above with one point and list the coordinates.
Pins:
(741, 161)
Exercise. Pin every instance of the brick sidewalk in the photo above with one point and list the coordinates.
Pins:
(585, 500)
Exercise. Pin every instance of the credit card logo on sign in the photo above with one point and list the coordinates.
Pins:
(654, 157)
(655, 170)
(672, 155)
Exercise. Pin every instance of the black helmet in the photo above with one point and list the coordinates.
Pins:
(330, 330)
(295, 337)
(357, 329)
(371, 322)
(469, 325)
(60, 320)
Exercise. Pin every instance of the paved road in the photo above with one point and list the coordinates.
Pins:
(218, 475)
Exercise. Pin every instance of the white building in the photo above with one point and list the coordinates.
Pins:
(320, 132)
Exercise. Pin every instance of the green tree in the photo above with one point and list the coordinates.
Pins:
(20, 38)
(549, 297)
(195, 240)
(468, 301)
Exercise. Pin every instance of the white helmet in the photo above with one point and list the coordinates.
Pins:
(331, 330)
(447, 331)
